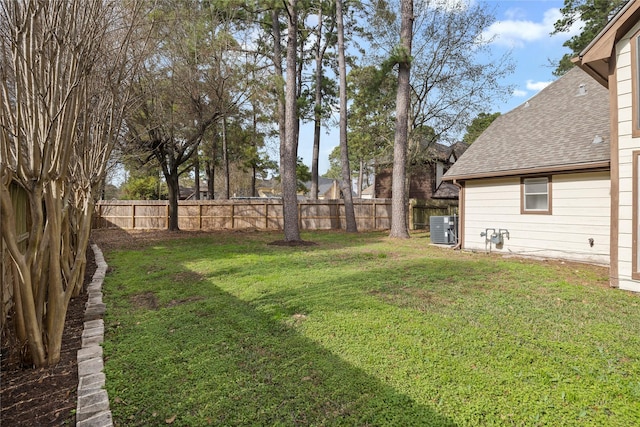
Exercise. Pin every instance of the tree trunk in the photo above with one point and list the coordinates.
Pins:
(315, 159)
(53, 155)
(254, 172)
(174, 194)
(56, 302)
(277, 63)
(196, 174)
(288, 150)
(254, 169)
(83, 231)
(210, 179)
(347, 186)
(399, 207)
(211, 169)
(360, 177)
(317, 111)
(225, 159)
(280, 89)
(28, 324)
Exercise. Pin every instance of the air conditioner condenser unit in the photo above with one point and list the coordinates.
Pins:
(444, 229)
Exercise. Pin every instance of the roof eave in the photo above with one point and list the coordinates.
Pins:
(598, 70)
(594, 59)
(559, 169)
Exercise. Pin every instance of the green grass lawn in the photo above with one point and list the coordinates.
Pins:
(362, 330)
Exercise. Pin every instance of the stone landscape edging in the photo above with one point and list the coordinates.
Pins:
(92, 408)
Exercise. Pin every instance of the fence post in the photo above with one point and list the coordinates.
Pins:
(373, 215)
(266, 216)
(167, 216)
(133, 216)
(233, 222)
(200, 216)
(412, 217)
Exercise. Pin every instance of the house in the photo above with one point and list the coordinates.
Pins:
(613, 60)
(368, 192)
(328, 189)
(585, 204)
(426, 182)
(268, 188)
(536, 182)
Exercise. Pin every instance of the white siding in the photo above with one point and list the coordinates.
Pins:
(580, 211)
(626, 145)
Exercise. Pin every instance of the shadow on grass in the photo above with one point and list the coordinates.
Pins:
(256, 241)
(211, 357)
(221, 362)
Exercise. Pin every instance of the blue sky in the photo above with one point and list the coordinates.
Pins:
(523, 28)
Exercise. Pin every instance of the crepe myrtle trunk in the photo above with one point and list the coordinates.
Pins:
(46, 148)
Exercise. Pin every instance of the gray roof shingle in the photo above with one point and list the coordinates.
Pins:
(554, 130)
(446, 190)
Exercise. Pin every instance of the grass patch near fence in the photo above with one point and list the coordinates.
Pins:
(225, 329)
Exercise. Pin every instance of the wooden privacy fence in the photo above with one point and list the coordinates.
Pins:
(420, 214)
(371, 214)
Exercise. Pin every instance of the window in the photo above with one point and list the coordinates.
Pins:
(536, 195)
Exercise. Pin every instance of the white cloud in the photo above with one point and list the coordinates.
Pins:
(515, 14)
(531, 87)
(516, 31)
(450, 5)
(537, 86)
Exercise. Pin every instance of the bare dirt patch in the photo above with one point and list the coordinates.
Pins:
(116, 238)
(147, 300)
(176, 302)
(187, 277)
(406, 296)
(292, 243)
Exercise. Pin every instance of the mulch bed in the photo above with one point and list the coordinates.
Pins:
(46, 396)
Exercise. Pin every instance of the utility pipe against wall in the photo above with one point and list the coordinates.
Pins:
(487, 238)
(458, 245)
(495, 237)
